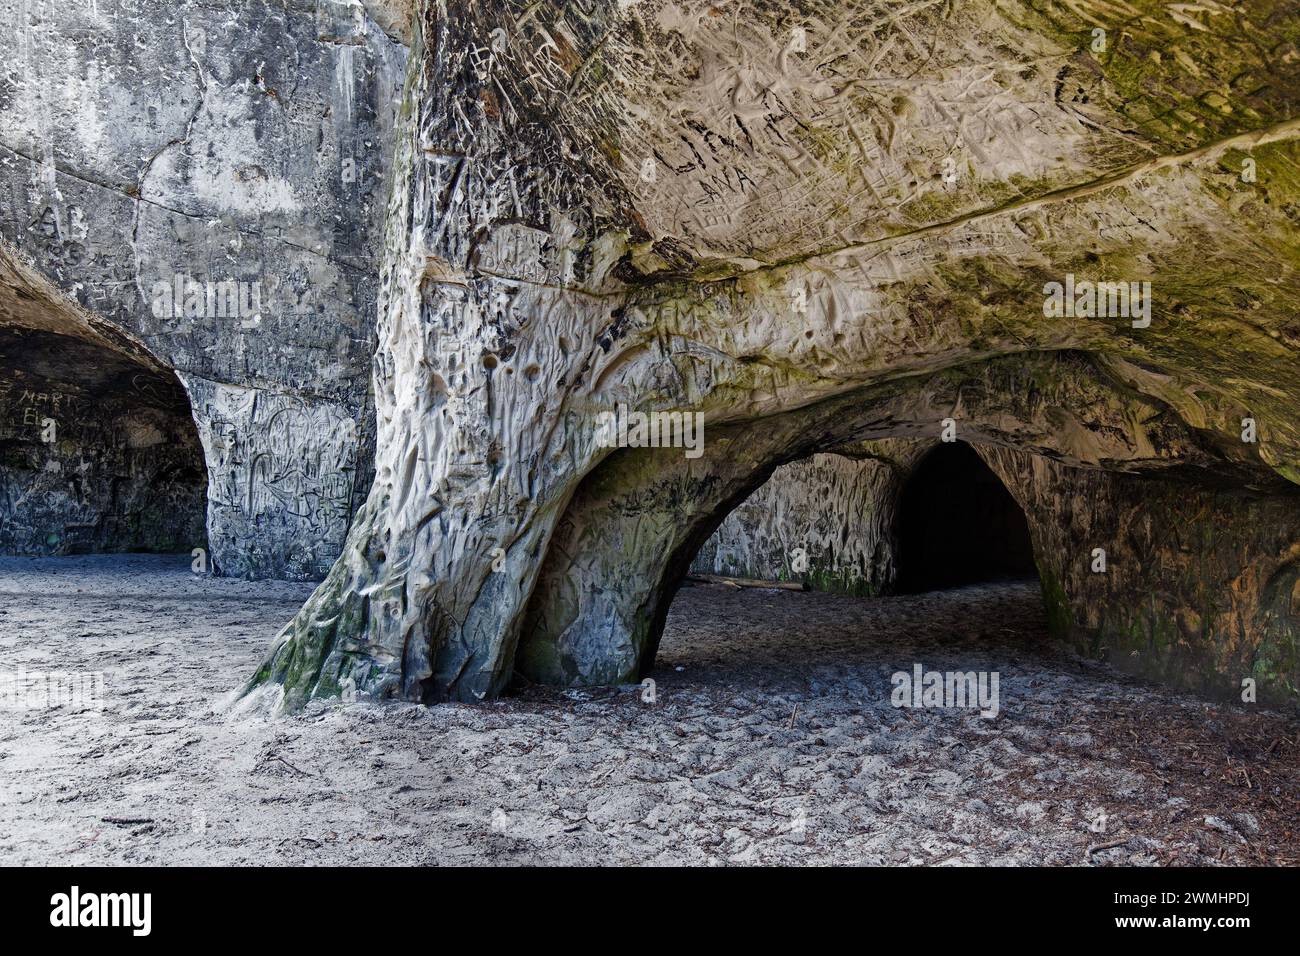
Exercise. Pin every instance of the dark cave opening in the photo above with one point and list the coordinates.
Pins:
(957, 524)
(98, 451)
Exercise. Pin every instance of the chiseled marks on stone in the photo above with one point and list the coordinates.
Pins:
(477, 443)
(819, 520)
(796, 127)
(282, 471)
(791, 130)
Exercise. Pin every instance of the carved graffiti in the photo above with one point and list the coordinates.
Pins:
(281, 477)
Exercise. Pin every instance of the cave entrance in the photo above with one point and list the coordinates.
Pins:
(957, 524)
(755, 537)
(98, 450)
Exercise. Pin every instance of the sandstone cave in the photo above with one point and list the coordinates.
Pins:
(984, 316)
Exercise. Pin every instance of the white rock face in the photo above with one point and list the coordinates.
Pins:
(823, 521)
(149, 147)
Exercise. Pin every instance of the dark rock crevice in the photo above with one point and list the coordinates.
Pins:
(97, 453)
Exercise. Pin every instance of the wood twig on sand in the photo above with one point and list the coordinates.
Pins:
(746, 582)
(1098, 847)
(298, 770)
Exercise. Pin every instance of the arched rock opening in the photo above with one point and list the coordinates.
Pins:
(1090, 462)
(957, 524)
(98, 450)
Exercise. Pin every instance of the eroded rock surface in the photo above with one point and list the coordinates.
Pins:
(553, 253)
(1201, 584)
(148, 150)
(815, 225)
(815, 521)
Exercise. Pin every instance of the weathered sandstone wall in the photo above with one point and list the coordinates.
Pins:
(148, 149)
(823, 521)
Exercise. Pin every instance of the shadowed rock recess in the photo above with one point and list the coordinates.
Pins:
(836, 235)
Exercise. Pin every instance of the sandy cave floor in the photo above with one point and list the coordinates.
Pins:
(772, 740)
